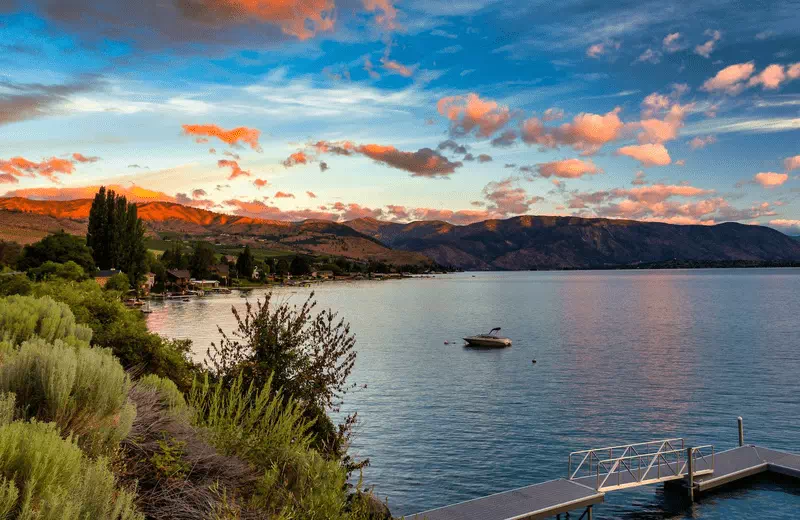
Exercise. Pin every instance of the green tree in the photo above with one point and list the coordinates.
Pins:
(60, 248)
(282, 267)
(97, 235)
(9, 253)
(299, 266)
(66, 271)
(245, 262)
(133, 254)
(118, 282)
(203, 257)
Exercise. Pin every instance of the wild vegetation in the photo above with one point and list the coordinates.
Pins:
(246, 437)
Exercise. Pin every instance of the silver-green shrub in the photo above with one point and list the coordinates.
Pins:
(45, 477)
(23, 317)
(83, 390)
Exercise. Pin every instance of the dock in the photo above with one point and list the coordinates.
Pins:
(593, 473)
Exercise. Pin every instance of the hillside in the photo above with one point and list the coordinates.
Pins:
(541, 242)
(25, 221)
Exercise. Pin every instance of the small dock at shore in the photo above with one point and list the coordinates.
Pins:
(595, 472)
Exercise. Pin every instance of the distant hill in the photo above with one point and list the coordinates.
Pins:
(25, 221)
(543, 242)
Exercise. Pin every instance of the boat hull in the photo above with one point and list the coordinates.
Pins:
(477, 341)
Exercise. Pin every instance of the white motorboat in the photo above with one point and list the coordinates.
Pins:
(488, 340)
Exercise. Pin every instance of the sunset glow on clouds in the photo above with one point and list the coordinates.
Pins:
(402, 111)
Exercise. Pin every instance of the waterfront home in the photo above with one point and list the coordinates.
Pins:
(102, 276)
(325, 275)
(149, 282)
(221, 271)
(179, 278)
(204, 284)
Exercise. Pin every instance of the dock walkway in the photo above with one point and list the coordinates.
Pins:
(636, 465)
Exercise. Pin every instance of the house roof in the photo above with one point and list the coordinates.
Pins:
(179, 273)
(222, 269)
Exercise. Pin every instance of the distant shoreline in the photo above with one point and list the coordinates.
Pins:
(728, 264)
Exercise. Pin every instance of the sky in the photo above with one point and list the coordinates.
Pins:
(402, 110)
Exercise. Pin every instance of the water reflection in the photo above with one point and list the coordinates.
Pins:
(621, 357)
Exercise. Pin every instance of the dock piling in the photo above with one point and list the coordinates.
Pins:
(690, 472)
(741, 432)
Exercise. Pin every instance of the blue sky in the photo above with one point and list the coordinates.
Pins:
(648, 110)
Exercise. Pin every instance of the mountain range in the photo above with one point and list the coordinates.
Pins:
(525, 242)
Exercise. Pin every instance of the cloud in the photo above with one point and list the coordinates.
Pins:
(79, 157)
(506, 198)
(194, 201)
(259, 209)
(770, 179)
(639, 179)
(471, 113)
(370, 68)
(484, 158)
(198, 193)
(649, 56)
(586, 132)
(260, 183)
(792, 163)
(702, 141)
(707, 48)
(284, 195)
(785, 223)
(323, 166)
(295, 159)
(449, 144)
(422, 163)
(302, 20)
(16, 167)
(311, 195)
(505, 139)
(232, 137)
(731, 79)
(672, 42)
(133, 193)
(567, 169)
(654, 130)
(596, 50)
(397, 68)
(24, 101)
(553, 114)
(647, 154)
(387, 17)
(236, 171)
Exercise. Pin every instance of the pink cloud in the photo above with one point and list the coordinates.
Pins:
(79, 157)
(770, 78)
(284, 195)
(236, 171)
(792, 163)
(232, 137)
(295, 159)
(425, 162)
(311, 195)
(707, 48)
(731, 79)
(470, 112)
(260, 183)
(672, 43)
(701, 142)
(568, 169)
(596, 50)
(302, 20)
(785, 223)
(553, 114)
(387, 17)
(507, 198)
(586, 132)
(770, 179)
(397, 67)
(647, 154)
(133, 193)
(16, 167)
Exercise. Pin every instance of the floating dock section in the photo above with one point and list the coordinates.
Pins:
(593, 473)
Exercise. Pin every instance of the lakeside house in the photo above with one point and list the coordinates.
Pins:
(149, 282)
(179, 278)
(324, 275)
(102, 276)
(221, 271)
(204, 284)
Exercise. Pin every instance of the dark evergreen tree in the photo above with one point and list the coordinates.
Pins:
(203, 257)
(245, 262)
(299, 266)
(96, 236)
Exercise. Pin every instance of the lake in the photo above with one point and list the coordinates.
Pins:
(622, 356)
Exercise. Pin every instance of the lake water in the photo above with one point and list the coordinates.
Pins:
(622, 356)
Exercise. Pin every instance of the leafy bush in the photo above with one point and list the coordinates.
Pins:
(14, 284)
(22, 317)
(118, 282)
(46, 477)
(84, 391)
(309, 355)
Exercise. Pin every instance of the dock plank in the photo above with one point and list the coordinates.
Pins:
(528, 503)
